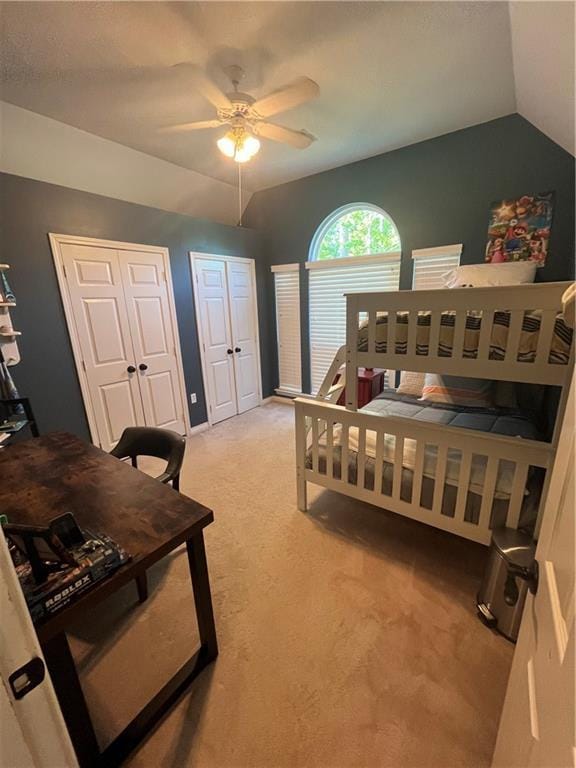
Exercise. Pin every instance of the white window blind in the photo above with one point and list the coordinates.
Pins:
(287, 290)
(431, 264)
(327, 285)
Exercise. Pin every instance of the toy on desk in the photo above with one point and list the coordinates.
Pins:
(58, 562)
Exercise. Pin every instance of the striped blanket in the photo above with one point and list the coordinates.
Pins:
(559, 348)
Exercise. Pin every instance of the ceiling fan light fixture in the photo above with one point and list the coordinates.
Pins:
(239, 145)
(227, 144)
(251, 145)
(242, 156)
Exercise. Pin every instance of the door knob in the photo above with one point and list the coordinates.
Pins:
(530, 575)
(230, 351)
(143, 367)
(237, 349)
(131, 369)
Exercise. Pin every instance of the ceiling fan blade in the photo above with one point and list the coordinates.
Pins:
(202, 83)
(297, 139)
(291, 96)
(196, 126)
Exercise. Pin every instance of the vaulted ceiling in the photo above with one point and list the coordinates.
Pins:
(390, 73)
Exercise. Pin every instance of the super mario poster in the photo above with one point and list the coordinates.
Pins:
(519, 230)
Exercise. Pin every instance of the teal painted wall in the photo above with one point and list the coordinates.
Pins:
(438, 192)
(29, 210)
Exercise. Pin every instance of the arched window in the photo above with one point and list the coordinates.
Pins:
(358, 229)
(354, 250)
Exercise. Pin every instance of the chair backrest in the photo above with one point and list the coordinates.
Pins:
(152, 441)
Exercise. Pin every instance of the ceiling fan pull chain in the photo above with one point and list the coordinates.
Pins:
(239, 194)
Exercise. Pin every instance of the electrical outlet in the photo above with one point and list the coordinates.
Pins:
(193, 398)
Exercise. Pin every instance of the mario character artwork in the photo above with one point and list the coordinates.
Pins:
(519, 230)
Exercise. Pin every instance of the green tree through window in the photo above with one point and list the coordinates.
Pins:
(358, 232)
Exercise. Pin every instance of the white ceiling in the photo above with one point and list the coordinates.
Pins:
(390, 73)
(37, 147)
(543, 54)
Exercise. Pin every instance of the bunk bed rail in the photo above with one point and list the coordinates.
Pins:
(323, 459)
(505, 333)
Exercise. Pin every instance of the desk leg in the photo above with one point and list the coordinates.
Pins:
(65, 680)
(202, 596)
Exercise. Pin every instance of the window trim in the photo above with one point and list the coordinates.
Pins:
(352, 261)
(334, 216)
(420, 257)
(292, 269)
(439, 250)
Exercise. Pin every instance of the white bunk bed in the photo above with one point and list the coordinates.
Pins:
(411, 466)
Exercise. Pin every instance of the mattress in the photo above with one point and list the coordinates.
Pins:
(559, 349)
(494, 421)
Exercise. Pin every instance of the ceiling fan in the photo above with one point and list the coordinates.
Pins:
(247, 117)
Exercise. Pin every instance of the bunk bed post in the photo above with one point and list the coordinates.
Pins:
(300, 427)
(560, 416)
(351, 352)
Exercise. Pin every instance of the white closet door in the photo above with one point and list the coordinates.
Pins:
(153, 339)
(243, 315)
(217, 338)
(96, 293)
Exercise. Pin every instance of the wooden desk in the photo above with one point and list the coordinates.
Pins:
(58, 473)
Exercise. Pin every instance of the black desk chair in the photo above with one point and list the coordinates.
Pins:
(161, 444)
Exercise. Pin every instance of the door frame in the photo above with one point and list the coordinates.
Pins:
(36, 721)
(221, 257)
(56, 241)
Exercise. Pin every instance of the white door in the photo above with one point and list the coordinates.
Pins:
(212, 293)
(153, 338)
(244, 339)
(32, 729)
(97, 297)
(537, 725)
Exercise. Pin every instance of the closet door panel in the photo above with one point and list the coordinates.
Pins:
(243, 316)
(148, 309)
(217, 338)
(95, 287)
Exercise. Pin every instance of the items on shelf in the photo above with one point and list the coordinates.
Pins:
(8, 335)
(6, 294)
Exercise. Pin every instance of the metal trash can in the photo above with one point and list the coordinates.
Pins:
(511, 570)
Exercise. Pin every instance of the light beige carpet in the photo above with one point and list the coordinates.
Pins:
(348, 636)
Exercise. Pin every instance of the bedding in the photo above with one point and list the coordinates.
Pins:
(489, 275)
(491, 420)
(411, 383)
(499, 512)
(559, 352)
(457, 390)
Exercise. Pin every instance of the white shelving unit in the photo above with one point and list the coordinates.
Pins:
(8, 334)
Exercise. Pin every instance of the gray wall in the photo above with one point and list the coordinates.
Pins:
(438, 192)
(29, 210)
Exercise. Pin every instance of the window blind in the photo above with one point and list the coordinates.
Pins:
(287, 292)
(431, 264)
(327, 286)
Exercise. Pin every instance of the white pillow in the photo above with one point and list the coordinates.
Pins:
(457, 390)
(411, 383)
(486, 275)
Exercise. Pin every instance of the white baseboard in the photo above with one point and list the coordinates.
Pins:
(277, 399)
(198, 428)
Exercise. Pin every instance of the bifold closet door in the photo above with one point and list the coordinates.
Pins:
(122, 315)
(96, 292)
(153, 338)
(212, 291)
(243, 320)
(227, 310)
